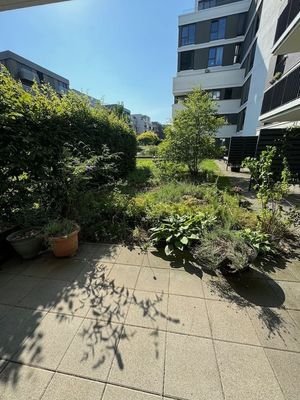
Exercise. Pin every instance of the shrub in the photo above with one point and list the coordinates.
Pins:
(179, 232)
(148, 138)
(262, 242)
(59, 228)
(223, 250)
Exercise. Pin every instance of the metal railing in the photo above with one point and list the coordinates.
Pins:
(282, 92)
(286, 17)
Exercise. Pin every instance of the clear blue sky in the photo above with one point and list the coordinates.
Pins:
(116, 50)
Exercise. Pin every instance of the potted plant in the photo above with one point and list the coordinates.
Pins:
(224, 251)
(63, 237)
(27, 242)
(5, 247)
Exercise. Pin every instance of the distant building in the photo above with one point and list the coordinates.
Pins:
(93, 101)
(158, 128)
(28, 72)
(141, 123)
(119, 109)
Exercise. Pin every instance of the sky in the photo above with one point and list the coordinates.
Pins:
(114, 50)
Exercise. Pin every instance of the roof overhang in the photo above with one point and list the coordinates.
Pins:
(13, 4)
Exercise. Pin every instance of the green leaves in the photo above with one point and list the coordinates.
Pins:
(179, 232)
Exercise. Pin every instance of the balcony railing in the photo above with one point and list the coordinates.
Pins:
(282, 92)
(287, 16)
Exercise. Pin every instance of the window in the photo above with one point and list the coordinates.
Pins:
(206, 4)
(217, 29)
(186, 60)
(187, 35)
(237, 52)
(228, 94)
(215, 56)
(241, 120)
(215, 94)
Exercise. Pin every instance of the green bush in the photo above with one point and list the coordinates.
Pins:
(148, 138)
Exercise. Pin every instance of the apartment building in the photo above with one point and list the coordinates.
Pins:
(28, 72)
(225, 47)
(13, 4)
(158, 128)
(141, 123)
(281, 104)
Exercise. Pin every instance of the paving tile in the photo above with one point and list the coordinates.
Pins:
(73, 301)
(287, 369)
(124, 276)
(148, 310)
(20, 382)
(275, 328)
(47, 344)
(188, 315)
(157, 259)
(110, 305)
(153, 280)
(139, 362)
(183, 283)
(295, 314)
(3, 364)
(117, 393)
(41, 266)
(92, 350)
(14, 266)
(17, 288)
(129, 256)
(291, 292)
(280, 274)
(16, 327)
(191, 369)
(44, 296)
(246, 373)
(4, 278)
(94, 275)
(67, 269)
(231, 322)
(103, 252)
(294, 267)
(4, 310)
(65, 387)
(216, 288)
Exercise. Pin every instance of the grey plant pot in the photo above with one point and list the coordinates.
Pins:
(27, 248)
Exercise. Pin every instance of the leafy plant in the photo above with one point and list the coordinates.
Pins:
(148, 138)
(59, 228)
(223, 250)
(261, 241)
(179, 232)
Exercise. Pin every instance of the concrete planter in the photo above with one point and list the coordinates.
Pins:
(26, 242)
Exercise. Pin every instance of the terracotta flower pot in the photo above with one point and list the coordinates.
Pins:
(65, 246)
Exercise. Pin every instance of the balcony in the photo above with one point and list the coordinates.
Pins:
(282, 100)
(288, 29)
(13, 4)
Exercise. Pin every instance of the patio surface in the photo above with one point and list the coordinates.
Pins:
(119, 324)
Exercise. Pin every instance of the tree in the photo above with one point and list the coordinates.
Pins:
(148, 138)
(190, 138)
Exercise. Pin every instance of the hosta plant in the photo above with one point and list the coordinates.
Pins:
(259, 240)
(180, 232)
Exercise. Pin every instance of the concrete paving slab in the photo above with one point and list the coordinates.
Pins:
(287, 369)
(17, 288)
(48, 342)
(3, 364)
(246, 373)
(67, 269)
(45, 296)
(4, 310)
(295, 314)
(4, 278)
(231, 322)
(16, 327)
(157, 259)
(291, 293)
(188, 315)
(124, 276)
(191, 369)
(41, 266)
(91, 353)
(20, 382)
(14, 266)
(183, 283)
(73, 301)
(118, 393)
(149, 310)
(275, 328)
(129, 256)
(153, 280)
(66, 387)
(97, 251)
(139, 362)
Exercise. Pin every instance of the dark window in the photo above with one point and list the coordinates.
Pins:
(231, 118)
(206, 4)
(215, 56)
(186, 60)
(241, 120)
(217, 29)
(187, 35)
(228, 94)
(245, 91)
(280, 64)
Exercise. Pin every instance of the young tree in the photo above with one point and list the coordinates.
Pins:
(148, 138)
(190, 138)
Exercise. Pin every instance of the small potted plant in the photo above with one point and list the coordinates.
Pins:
(27, 242)
(63, 237)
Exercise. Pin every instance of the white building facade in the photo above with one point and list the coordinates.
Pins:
(226, 47)
(141, 123)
